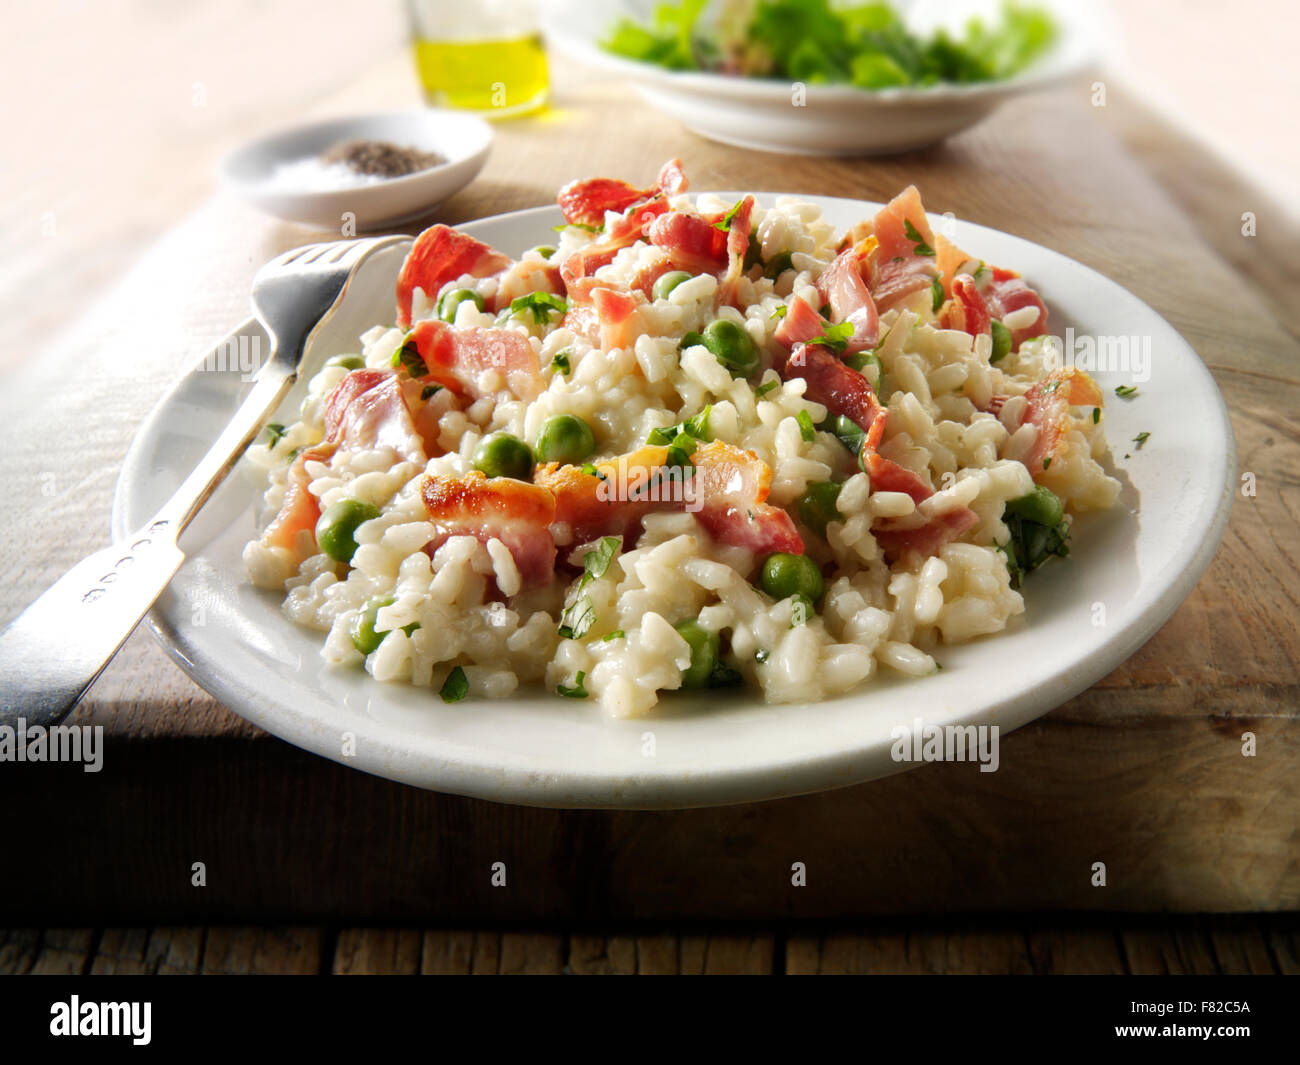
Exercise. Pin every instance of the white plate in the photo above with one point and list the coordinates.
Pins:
(832, 119)
(463, 140)
(539, 749)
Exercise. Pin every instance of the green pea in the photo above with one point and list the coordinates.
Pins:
(565, 438)
(704, 653)
(784, 575)
(348, 362)
(365, 638)
(448, 305)
(544, 250)
(731, 346)
(1001, 341)
(668, 282)
(503, 455)
(817, 507)
(336, 528)
(1041, 505)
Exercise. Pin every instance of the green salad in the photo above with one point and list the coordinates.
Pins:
(817, 41)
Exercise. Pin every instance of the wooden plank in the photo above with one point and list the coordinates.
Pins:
(383, 951)
(1079, 952)
(286, 950)
(167, 951)
(19, 948)
(63, 952)
(1282, 934)
(447, 953)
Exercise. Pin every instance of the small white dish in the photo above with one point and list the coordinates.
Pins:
(463, 140)
(1137, 561)
(839, 120)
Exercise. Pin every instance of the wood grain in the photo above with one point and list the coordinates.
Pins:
(1144, 771)
(1118, 944)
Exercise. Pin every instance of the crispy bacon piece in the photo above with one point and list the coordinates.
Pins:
(952, 261)
(300, 509)
(800, 324)
(967, 309)
(1007, 292)
(458, 359)
(726, 490)
(517, 513)
(525, 276)
(367, 409)
(1001, 291)
(896, 268)
(441, 254)
(578, 270)
(619, 316)
(1048, 410)
(838, 388)
(693, 243)
(845, 392)
(738, 235)
(585, 202)
(842, 286)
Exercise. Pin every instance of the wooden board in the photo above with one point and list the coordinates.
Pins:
(1144, 771)
(1121, 944)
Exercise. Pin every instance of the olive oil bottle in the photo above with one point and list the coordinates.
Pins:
(496, 76)
(484, 55)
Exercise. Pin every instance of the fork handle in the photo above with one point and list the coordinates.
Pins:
(52, 652)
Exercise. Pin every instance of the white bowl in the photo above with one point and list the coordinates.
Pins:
(836, 120)
(463, 140)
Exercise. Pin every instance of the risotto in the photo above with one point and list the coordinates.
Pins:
(696, 444)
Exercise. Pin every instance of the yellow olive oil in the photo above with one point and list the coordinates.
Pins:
(506, 76)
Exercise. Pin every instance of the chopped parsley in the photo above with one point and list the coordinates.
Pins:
(560, 362)
(275, 433)
(680, 452)
(591, 470)
(1096, 415)
(762, 655)
(936, 294)
(724, 223)
(835, 337)
(1126, 391)
(408, 356)
(922, 248)
(429, 391)
(455, 687)
(578, 225)
(1001, 341)
(1141, 439)
(780, 312)
(578, 618)
(595, 563)
(541, 305)
(723, 676)
(806, 428)
(1039, 532)
(697, 427)
(767, 387)
(578, 691)
(1047, 463)
(617, 634)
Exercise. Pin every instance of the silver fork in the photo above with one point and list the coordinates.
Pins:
(52, 652)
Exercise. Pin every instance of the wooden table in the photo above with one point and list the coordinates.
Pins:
(1144, 771)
